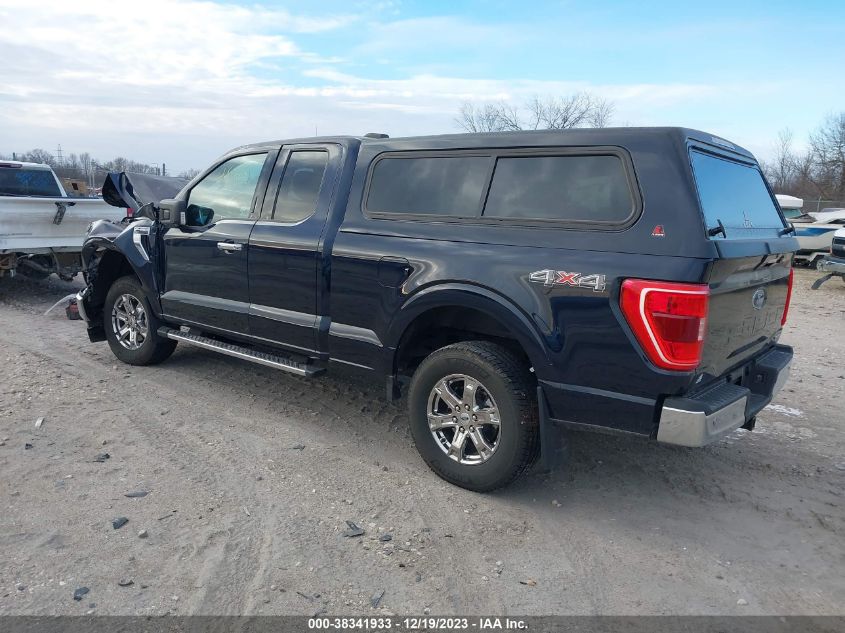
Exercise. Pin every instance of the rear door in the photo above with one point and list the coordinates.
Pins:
(286, 263)
(750, 281)
(206, 281)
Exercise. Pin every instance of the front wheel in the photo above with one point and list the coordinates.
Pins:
(473, 415)
(131, 327)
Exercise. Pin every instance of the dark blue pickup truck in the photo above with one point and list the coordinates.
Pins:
(633, 279)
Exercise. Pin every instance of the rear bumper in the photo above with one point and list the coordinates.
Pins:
(705, 416)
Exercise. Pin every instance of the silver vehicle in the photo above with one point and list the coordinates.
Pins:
(41, 227)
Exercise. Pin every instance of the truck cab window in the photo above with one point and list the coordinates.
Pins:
(28, 182)
(227, 192)
(300, 186)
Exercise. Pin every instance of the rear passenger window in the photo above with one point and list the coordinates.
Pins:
(447, 186)
(300, 186)
(565, 188)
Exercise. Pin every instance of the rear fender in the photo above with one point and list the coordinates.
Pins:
(478, 298)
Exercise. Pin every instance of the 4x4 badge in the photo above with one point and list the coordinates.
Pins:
(563, 278)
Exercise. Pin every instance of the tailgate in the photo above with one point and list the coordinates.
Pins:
(29, 224)
(747, 300)
(749, 280)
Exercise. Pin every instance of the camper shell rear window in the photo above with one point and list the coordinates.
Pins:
(734, 194)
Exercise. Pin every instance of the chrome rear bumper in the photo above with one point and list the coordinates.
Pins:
(714, 412)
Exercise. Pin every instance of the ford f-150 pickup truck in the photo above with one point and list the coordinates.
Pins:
(634, 279)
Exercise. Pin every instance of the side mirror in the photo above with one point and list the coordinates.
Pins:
(172, 212)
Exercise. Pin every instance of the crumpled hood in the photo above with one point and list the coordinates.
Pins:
(132, 191)
(105, 229)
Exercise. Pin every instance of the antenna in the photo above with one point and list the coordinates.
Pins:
(59, 158)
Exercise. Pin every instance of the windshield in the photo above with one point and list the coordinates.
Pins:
(28, 182)
(736, 195)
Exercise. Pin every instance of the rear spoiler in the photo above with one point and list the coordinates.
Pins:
(133, 191)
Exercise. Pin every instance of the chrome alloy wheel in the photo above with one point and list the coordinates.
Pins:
(464, 419)
(129, 322)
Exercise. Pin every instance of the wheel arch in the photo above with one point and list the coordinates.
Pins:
(105, 261)
(463, 311)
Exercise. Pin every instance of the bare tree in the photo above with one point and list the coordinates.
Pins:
(83, 166)
(781, 171)
(85, 163)
(483, 118)
(602, 112)
(38, 156)
(540, 113)
(827, 145)
(189, 173)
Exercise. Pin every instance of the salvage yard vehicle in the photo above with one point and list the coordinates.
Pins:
(834, 263)
(41, 227)
(635, 280)
(814, 231)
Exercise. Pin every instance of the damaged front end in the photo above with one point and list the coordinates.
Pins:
(115, 249)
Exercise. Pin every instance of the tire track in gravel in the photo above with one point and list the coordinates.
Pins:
(640, 528)
(237, 556)
(178, 446)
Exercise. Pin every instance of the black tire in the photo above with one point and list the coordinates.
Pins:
(510, 385)
(154, 349)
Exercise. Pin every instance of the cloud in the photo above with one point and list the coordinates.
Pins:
(437, 33)
(189, 79)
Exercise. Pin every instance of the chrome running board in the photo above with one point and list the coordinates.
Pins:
(244, 353)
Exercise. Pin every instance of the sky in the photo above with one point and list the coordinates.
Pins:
(182, 81)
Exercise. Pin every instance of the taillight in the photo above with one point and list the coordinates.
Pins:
(788, 297)
(668, 319)
(129, 212)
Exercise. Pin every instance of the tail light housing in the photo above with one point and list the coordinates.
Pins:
(669, 320)
(788, 297)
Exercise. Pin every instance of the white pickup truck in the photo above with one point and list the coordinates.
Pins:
(41, 227)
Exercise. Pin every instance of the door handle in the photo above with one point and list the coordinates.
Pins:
(229, 247)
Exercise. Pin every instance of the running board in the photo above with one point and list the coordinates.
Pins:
(244, 353)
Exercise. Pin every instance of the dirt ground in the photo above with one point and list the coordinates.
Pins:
(251, 474)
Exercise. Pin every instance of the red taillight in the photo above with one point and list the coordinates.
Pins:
(129, 212)
(788, 298)
(668, 319)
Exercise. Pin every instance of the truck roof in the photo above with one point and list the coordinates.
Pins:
(15, 164)
(575, 136)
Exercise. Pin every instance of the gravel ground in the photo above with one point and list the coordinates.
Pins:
(251, 474)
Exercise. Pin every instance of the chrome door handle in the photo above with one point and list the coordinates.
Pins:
(229, 246)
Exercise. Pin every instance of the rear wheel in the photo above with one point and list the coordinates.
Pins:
(131, 327)
(473, 415)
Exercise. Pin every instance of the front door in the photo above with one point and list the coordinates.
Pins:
(286, 258)
(206, 282)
